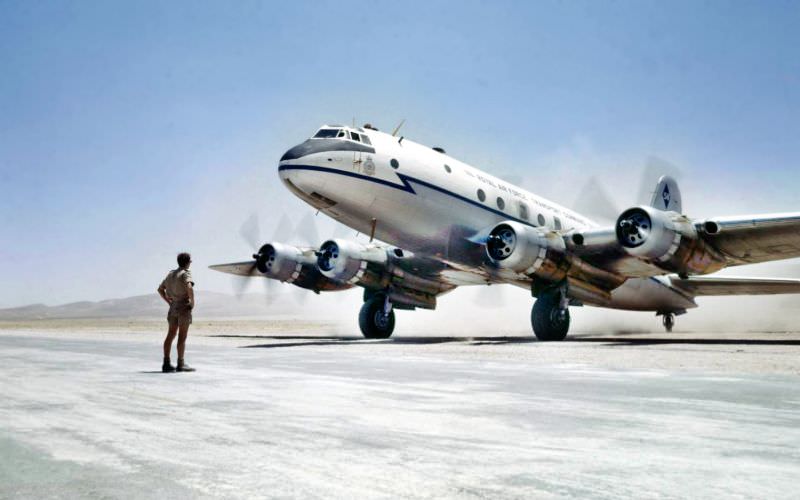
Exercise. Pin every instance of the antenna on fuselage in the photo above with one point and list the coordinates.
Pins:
(397, 129)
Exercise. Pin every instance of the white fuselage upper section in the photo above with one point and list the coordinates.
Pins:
(429, 188)
(413, 196)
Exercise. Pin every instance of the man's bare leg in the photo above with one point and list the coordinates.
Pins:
(171, 332)
(183, 332)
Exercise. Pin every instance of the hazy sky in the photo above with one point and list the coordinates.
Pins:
(130, 131)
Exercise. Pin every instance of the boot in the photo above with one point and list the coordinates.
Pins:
(183, 367)
(167, 367)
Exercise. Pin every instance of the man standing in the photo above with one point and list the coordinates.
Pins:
(177, 290)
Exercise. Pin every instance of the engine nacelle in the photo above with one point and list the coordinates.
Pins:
(527, 250)
(280, 261)
(668, 240)
(294, 265)
(351, 262)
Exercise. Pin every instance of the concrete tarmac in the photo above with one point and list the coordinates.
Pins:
(304, 413)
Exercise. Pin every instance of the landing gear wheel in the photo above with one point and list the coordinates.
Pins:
(373, 320)
(548, 320)
(669, 321)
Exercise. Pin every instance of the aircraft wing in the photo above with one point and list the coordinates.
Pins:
(705, 247)
(247, 268)
(756, 238)
(712, 285)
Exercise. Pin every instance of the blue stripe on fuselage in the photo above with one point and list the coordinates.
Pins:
(406, 181)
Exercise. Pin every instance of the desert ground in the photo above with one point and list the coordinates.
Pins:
(289, 408)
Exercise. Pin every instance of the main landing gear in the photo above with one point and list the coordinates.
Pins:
(376, 318)
(550, 316)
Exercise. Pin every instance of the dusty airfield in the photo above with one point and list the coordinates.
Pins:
(288, 409)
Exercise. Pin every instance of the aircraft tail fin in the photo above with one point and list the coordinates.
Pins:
(667, 196)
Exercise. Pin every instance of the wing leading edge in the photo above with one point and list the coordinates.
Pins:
(755, 238)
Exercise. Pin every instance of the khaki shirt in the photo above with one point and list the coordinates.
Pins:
(177, 284)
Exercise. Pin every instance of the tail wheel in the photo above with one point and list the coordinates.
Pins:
(669, 321)
(373, 320)
(549, 321)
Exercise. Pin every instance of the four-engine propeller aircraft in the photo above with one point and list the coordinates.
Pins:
(447, 224)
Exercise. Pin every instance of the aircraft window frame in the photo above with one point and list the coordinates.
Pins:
(524, 212)
(365, 139)
(342, 134)
(501, 203)
(481, 195)
(394, 163)
(447, 168)
(355, 136)
(541, 220)
(334, 131)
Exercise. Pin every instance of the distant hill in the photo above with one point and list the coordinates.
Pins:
(210, 304)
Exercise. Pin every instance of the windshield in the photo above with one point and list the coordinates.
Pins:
(325, 133)
(340, 133)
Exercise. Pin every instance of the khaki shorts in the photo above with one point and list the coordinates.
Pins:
(179, 315)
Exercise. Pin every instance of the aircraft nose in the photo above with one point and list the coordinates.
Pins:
(297, 152)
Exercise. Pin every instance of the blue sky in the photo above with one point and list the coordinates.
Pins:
(129, 131)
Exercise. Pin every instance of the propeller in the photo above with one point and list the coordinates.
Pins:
(250, 232)
(306, 231)
(593, 198)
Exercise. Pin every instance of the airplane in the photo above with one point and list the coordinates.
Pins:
(436, 223)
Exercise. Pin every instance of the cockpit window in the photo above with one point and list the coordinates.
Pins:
(325, 133)
(340, 133)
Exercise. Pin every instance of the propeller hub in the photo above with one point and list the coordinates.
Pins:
(327, 255)
(634, 228)
(265, 258)
(501, 243)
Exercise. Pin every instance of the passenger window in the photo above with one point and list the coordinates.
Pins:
(540, 219)
(481, 195)
(523, 211)
(448, 169)
(355, 136)
(557, 222)
(500, 203)
(365, 140)
(394, 163)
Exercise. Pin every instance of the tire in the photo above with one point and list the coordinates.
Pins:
(669, 322)
(545, 320)
(370, 321)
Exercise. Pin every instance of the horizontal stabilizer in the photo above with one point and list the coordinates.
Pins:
(238, 268)
(710, 285)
